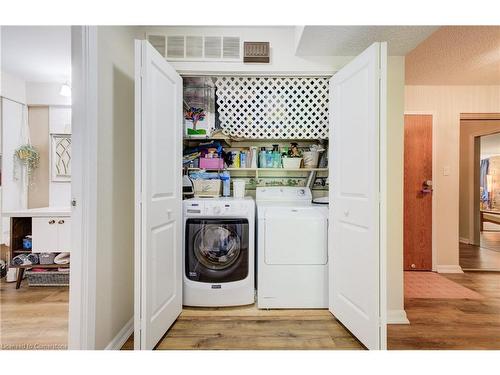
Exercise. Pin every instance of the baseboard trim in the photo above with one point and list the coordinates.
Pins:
(464, 240)
(122, 336)
(397, 317)
(449, 268)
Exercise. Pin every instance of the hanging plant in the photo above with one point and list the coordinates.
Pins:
(29, 157)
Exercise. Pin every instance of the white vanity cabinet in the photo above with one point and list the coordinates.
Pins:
(49, 227)
(51, 234)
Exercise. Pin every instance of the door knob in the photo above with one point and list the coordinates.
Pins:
(52, 221)
(346, 213)
(426, 187)
(60, 222)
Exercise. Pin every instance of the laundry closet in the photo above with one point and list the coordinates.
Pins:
(256, 187)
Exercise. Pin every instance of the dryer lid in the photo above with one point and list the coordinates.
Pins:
(295, 235)
(291, 212)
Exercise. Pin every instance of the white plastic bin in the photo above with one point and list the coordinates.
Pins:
(239, 188)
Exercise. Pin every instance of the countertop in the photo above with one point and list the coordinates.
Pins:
(39, 212)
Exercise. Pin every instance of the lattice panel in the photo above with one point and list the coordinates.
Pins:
(273, 107)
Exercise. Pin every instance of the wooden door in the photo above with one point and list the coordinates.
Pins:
(418, 193)
(158, 231)
(355, 257)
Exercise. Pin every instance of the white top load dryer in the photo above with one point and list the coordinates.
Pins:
(292, 249)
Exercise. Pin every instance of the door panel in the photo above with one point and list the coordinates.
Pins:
(159, 125)
(64, 233)
(45, 237)
(354, 247)
(417, 196)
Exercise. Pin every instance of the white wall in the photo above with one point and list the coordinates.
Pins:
(115, 176)
(45, 93)
(282, 39)
(395, 142)
(12, 87)
(447, 102)
(14, 190)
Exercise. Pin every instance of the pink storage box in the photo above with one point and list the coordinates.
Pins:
(215, 163)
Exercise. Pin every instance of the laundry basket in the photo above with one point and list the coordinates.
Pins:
(48, 278)
(46, 258)
(207, 188)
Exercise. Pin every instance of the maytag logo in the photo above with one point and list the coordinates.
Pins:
(216, 286)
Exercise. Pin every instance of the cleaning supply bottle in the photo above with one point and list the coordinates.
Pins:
(262, 157)
(276, 157)
(253, 156)
(226, 183)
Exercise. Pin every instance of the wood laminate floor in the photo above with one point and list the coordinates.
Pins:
(490, 240)
(33, 317)
(453, 323)
(250, 328)
(484, 257)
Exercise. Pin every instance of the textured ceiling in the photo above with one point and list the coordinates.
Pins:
(456, 55)
(352, 40)
(37, 53)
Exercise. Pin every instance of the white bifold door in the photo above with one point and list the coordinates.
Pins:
(356, 258)
(158, 222)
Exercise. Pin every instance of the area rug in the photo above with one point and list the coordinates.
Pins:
(433, 285)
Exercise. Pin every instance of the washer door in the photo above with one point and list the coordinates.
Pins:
(216, 249)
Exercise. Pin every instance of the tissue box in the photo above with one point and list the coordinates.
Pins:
(215, 163)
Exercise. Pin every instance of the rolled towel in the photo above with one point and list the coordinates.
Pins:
(62, 258)
(19, 260)
(25, 260)
(33, 258)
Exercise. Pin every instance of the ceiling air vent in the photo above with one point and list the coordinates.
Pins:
(213, 47)
(256, 52)
(175, 47)
(194, 47)
(158, 42)
(230, 47)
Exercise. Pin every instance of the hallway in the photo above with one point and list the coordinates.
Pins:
(484, 257)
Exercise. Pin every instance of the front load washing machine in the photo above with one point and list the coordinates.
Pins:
(219, 251)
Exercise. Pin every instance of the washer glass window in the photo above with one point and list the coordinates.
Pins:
(216, 249)
(217, 246)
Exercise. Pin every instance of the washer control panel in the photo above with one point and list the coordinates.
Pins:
(217, 208)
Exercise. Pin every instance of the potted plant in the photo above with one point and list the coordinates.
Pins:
(29, 157)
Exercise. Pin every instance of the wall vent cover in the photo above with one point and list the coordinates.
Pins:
(273, 107)
(256, 52)
(213, 47)
(175, 47)
(194, 47)
(230, 47)
(158, 42)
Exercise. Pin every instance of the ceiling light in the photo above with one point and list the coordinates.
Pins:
(65, 90)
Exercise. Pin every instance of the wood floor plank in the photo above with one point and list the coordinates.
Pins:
(484, 257)
(33, 317)
(453, 323)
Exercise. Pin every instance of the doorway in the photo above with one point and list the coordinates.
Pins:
(479, 194)
(417, 224)
(35, 225)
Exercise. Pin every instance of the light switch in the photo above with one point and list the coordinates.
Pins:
(446, 170)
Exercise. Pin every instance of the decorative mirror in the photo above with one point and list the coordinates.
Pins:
(61, 157)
